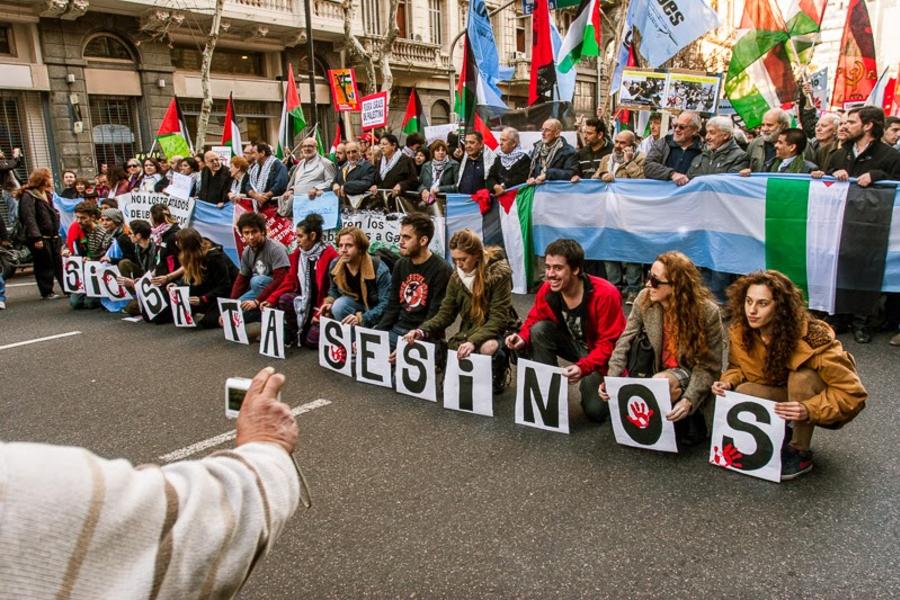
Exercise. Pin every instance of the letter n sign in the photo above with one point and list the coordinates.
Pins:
(542, 396)
(638, 409)
(747, 436)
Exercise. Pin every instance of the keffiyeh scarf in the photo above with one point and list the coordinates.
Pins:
(259, 175)
(304, 276)
(508, 160)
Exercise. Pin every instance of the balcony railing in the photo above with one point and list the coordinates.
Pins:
(412, 53)
(284, 6)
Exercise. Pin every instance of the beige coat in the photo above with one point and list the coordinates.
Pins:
(633, 169)
(650, 319)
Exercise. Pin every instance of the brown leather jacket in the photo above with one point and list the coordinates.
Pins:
(817, 349)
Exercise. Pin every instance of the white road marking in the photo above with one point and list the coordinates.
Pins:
(21, 284)
(43, 339)
(230, 435)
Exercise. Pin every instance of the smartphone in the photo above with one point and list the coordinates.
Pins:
(235, 391)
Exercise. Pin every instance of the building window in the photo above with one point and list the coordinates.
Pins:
(521, 33)
(6, 42)
(440, 113)
(114, 127)
(107, 47)
(224, 60)
(403, 19)
(435, 23)
(11, 133)
(252, 119)
(371, 12)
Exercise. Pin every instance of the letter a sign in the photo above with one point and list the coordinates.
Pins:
(747, 436)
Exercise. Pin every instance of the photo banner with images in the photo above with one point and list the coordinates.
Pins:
(136, 205)
(374, 111)
(698, 92)
(344, 90)
(747, 436)
(642, 89)
(638, 409)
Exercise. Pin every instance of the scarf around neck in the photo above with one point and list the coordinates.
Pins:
(260, 177)
(157, 232)
(468, 279)
(387, 165)
(304, 299)
(437, 170)
(509, 159)
(236, 184)
(545, 154)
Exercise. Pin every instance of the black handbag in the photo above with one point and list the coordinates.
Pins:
(641, 356)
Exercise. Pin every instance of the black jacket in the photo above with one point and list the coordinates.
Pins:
(39, 218)
(214, 188)
(879, 160)
(515, 175)
(167, 253)
(217, 278)
(402, 174)
(358, 180)
(588, 160)
(125, 245)
(562, 168)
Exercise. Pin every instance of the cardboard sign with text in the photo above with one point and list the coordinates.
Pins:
(747, 436)
(638, 409)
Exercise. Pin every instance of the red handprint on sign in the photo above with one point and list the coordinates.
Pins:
(727, 457)
(338, 354)
(236, 320)
(640, 415)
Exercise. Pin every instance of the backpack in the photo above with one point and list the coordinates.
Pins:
(387, 256)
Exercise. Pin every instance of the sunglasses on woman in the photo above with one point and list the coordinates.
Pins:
(655, 281)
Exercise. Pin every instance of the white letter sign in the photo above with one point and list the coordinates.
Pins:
(152, 299)
(542, 387)
(638, 409)
(73, 275)
(747, 436)
(92, 287)
(271, 341)
(416, 373)
(467, 384)
(334, 346)
(179, 300)
(109, 283)
(233, 321)
(373, 349)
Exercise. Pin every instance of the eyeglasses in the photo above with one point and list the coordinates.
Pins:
(680, 126)
(308, 147)
(132, 165)
(655, 281)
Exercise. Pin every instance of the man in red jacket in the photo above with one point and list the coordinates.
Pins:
(575, 317)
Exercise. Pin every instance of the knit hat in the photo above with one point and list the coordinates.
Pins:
(115, 215)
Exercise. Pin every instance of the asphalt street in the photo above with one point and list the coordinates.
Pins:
(411, 500)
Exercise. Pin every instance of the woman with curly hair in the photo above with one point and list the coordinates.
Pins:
(480, 292)
(682, 322)
(781, 352)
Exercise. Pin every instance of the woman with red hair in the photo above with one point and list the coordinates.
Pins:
(40, 220)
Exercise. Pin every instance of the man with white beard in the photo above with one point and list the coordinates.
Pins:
(762, 149)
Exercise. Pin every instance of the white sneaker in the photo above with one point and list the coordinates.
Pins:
(2, 305)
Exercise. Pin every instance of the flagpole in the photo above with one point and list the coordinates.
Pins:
(620, 34)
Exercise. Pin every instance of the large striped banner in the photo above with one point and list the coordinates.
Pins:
(838, 241)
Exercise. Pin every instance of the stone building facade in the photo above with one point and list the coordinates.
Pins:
(85, 82)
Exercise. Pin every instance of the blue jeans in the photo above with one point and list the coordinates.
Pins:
(345, 306)
(257, 284)
(2, 288)
(634, 275)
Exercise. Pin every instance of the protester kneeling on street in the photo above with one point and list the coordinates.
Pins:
(480, 293)
(303, 291)
(360, 284)
(677, 315)
(418, 281)
(780, 352)
(186, 530)
(206, 271)
(264, 265)
(88, 240)
(575, 317)
(144, 260)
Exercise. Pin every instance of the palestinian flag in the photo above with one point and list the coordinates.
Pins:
(414, 120)
(338, 137)
(543, 65)
(857, 71)
(803, 21)
(320, 145)
(231, 134)
(582, 38)
(292, 120)
(471, 92)
(760, 75)
(515, 223)
(831, 239)
(172, 135)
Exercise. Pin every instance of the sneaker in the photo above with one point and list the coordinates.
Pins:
(2, 305)
(862, 335)
(50, 296)
(795, 463)
(502, 380)
(895, 341)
